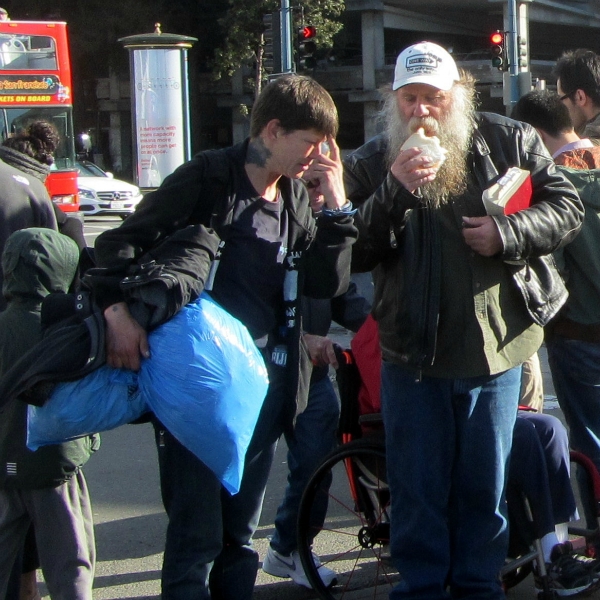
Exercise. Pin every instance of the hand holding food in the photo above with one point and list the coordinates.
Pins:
(429, 146)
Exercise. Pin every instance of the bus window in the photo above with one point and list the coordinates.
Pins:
(31, 52)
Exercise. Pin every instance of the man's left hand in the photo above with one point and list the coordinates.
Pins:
(482, 235)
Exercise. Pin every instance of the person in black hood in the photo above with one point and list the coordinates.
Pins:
(45, 487)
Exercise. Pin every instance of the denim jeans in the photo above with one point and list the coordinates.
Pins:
(447, 444)
(575, 368)
(313, 438)
(208, 550)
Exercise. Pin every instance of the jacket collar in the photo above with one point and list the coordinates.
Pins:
(24, 163)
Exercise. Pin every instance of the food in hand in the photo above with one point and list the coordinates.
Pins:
(429, 146)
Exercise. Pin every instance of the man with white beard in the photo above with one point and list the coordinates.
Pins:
(460, 301)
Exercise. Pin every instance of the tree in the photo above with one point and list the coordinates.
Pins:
(244, 39)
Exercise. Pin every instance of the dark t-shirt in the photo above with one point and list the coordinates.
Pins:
(249, 279)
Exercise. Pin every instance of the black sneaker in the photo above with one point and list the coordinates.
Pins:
(591, 564)
(566, 575)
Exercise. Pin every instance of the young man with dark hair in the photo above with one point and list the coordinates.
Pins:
(460, 301)
(578, 84)
(249, 198)
(546, 112)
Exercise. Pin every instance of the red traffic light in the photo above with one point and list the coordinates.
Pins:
(307, 32)
(497, 37)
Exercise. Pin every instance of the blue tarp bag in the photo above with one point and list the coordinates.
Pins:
(102, 400)
(206, 382)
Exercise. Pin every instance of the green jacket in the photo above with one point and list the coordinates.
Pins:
(579, 261)
(36, 262)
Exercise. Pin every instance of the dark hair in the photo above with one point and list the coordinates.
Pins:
(544, 110)
(38, 141)
(579, 70)
(298, 102)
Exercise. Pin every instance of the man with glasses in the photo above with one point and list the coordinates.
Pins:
(578, 86)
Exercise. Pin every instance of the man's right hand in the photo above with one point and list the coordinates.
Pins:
(411, 170)
(126, 339)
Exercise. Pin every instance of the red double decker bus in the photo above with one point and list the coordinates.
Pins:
(35, 84)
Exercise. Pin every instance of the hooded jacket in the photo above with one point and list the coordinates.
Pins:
(36, 263)
(399, 235)
(580, 260)
(24, 200)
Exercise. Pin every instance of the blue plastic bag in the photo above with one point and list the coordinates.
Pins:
(206, 382)
(102, 400)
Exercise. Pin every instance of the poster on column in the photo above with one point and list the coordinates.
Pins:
(159, 114)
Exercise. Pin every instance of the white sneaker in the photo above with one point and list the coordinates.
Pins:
(278, 565)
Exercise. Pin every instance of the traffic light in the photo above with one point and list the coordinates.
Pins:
(272, 41)
(498, 49)
(307, 47)
(523, 53)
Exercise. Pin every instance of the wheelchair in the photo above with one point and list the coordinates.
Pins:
(353, 539)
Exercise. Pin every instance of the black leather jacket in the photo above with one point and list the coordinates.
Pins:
(401, 242)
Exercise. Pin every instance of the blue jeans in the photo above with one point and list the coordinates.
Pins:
(208, 550)
(313, 438)
(448, 444)
(575, 368)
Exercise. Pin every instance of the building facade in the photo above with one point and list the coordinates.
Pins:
(374, 33)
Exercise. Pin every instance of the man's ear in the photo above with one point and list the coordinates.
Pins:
(272, 130)
(580, 98)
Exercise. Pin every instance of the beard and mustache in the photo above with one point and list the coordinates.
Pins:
(454, 130)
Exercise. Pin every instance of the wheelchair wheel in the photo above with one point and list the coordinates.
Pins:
(353, 539)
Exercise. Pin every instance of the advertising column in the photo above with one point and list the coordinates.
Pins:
(160, 104)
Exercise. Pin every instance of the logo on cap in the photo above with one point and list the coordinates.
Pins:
(422, 63)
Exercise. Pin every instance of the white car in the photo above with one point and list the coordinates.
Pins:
(101, 194)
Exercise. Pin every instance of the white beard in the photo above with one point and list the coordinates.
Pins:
(454, 130)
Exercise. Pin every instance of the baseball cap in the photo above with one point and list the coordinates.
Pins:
(428, 63)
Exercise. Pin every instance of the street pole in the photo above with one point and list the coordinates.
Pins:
(517, 80)
(512, 76)
(286, 37)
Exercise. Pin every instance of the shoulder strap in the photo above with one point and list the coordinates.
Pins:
(219, 166)
(487, 173)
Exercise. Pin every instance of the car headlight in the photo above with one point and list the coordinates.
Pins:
(87, 194)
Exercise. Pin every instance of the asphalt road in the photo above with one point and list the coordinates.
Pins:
(130, 522)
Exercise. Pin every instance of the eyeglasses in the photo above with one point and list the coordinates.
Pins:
(569, 95)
